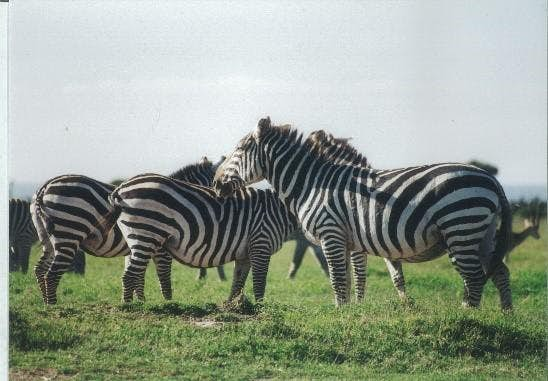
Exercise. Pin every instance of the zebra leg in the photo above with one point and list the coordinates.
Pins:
(163, 260)
(202, 273)
(501, 279)
(300, 249)
(47, 254)
(221, 272)
(24, 255)
(42, 266)
(359, 267)
(13, 259)
(259, 268)
(241, 269)
(334, 248)
(396, 274)
(62, 260)
(320, 258)
(79, 264)
(470, 269)
(133, 279)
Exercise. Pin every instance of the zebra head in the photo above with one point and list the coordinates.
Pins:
(244, 165)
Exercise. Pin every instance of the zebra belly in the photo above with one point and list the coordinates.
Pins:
(196, 258)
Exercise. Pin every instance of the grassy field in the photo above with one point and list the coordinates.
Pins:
(296, 334)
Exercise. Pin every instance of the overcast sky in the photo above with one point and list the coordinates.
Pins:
(113, 89)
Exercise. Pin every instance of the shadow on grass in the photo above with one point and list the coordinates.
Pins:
(228, 312)
(29, 336)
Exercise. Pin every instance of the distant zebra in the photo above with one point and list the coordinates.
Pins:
(68, 212)
(191, 223)
(22, 234)
(301, 244)
(410, 214)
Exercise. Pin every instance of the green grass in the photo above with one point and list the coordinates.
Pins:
(296, 334)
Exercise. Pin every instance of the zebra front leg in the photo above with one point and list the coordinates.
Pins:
(221, 272)
(62, 260)
(396, 274)
(334, 249)
(296, 261)
(241, 269)
(501, 279)
(359, 266)
(321, 259)
(24, 256)
(163, 260)
(259, 269)
(133, 279)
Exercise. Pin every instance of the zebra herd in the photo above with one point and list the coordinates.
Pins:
(205, 215)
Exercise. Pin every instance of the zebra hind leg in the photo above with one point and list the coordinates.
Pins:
(163, 260)
(470, 269)
(359, 267)
(133, 280)
(396, 274)
(62, 260)
(221, 272)
(501, 279)
(41, 268)
(241, 270)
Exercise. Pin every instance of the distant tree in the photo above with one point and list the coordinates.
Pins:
(489, 168)
(117, 182)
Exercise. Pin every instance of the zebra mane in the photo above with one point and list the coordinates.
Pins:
(321, 144)
(190, 170)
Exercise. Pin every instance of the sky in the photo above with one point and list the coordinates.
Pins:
(114, 89)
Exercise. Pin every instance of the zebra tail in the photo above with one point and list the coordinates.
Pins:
(111, 217)
(42, 223)
(504, 238)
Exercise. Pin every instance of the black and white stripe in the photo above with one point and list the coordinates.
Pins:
(409, 215)
(22, 234)
(199, 230)
(69, 213)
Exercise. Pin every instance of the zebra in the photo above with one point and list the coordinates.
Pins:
(22, 234)
(68, 212)
(156, 213)
(412, 214)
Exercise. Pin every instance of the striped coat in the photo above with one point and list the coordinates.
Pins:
(189, 221)
(411, 214)
(69, 212)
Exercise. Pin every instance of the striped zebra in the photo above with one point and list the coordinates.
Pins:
(22, 234)
(410, 214)
(68, 212)
(156, 213)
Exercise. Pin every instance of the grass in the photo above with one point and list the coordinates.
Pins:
(296, 334)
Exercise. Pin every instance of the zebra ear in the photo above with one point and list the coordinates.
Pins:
(262, 127)
(204, 160)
